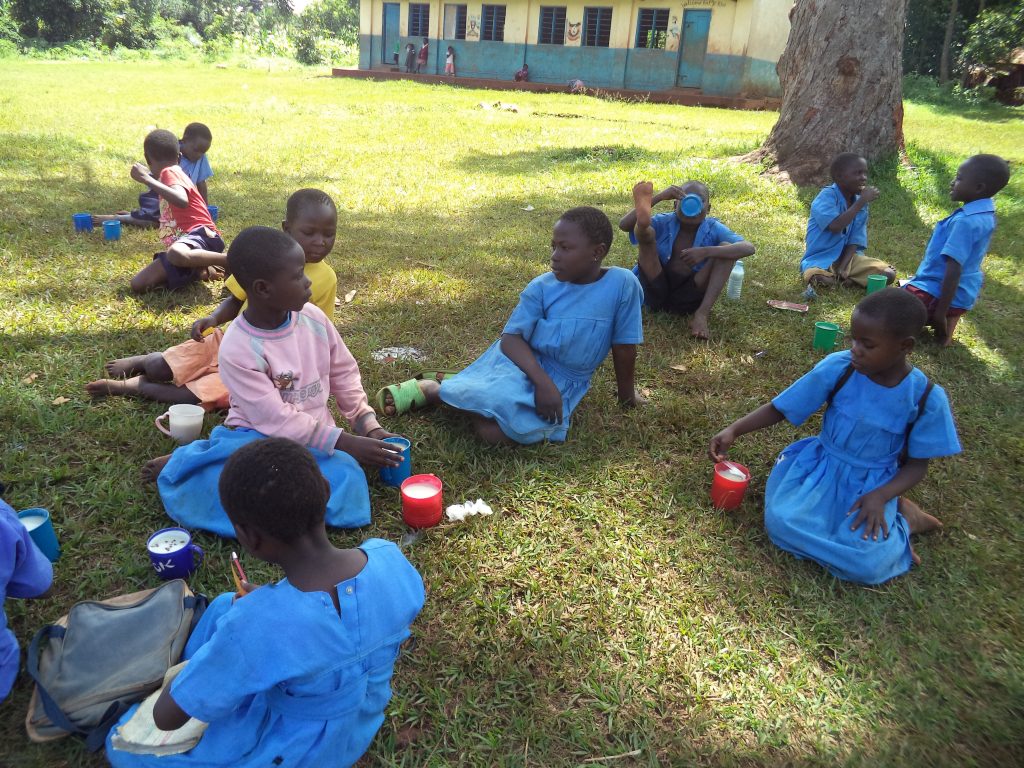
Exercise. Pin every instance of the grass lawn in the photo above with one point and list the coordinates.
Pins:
(605, 608)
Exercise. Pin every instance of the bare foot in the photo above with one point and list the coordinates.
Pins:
(152, 468)
(915, 558)
(917, 519)
(117, 387)
(699, 328)
(643, 191)
(822, 281)
(126, 366)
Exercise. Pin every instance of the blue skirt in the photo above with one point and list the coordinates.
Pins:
(188, 484)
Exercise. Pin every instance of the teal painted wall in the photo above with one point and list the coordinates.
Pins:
(638, 68)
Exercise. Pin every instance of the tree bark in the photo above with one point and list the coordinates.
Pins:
(947, 41)
(842, 87)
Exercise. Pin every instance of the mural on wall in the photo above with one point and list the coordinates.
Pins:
(572, 34)
(473, 28)
(672, 41)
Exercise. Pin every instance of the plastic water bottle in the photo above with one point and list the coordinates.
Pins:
(734, 287)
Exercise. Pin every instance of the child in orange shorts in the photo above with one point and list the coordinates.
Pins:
(188, 372)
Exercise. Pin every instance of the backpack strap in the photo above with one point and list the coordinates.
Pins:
(843, 378)
(905, 452)
(51, 707)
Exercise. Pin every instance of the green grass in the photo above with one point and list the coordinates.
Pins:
(605, 607)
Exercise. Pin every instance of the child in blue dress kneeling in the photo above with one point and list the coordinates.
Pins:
(297, 672)
(838, 498)
(524, 388)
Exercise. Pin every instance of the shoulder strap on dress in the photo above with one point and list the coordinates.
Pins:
(843, 378)
(905, 452)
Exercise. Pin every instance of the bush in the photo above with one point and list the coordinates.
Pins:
(307, 48)
(338, 19)
(992, 38)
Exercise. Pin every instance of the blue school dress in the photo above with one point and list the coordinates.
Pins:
(284, 679)
(816, 480)
(188, 483)
(570, 328)
(24, 572)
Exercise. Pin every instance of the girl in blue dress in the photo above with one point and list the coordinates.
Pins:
(298, 672)
(524, 388)
(838, 498)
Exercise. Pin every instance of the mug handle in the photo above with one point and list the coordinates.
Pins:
(160, 426)
(197, 549)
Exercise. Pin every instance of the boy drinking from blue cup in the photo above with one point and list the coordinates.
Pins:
(685, 256)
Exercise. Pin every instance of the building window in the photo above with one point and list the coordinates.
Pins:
(419, 19)
(492, 23)
(652, 28)
(552, 26)
(454, 22)
(597, 26)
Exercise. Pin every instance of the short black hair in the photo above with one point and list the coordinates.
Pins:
(161, 145)
(197, 130)
(256, 253)
(593, 222)
(705, 189)
(990, 170)
(304, 199)
(842, 161)
(275, 486)
(901, 313)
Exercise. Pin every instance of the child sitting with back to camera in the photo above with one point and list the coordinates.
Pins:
(24, 572)
(949, 278)
(685, 257)
(294, 673)
(280, 360)
(195, 250)
(194, 144)
(837, 229)
(838, 498)
(524, 388)
(188, 372)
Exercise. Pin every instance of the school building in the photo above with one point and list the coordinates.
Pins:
(717, 47)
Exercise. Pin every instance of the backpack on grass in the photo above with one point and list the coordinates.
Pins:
(103, 656)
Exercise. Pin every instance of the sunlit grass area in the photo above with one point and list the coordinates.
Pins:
(605, 608)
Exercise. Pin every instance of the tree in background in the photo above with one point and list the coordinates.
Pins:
(841, 87)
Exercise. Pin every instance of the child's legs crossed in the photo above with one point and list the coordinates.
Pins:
(861, 267)
(150, 277)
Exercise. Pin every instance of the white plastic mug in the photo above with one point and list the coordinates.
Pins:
(185, 422)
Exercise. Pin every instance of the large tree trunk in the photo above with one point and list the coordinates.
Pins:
(842, 89)
(947, 42)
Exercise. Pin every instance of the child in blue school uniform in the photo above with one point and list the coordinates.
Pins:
(838, 498)
(685, 257)
(524, 388)
(837, 229)
(296, 673)
(194, 144)
(24, 572)
(949, 278)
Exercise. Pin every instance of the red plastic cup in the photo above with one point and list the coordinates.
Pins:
(421, 501)
(727, 491)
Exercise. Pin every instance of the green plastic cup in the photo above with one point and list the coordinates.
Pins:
(876, 283)
(826, 336)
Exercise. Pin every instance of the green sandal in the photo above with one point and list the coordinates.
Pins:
(408, 396)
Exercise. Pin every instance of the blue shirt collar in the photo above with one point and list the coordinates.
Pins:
(984, 205)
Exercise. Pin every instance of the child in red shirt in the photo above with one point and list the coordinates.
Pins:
(195, 249)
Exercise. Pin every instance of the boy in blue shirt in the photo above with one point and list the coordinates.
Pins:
(24, 572)
(837, 230)
(193, 146)
(684, 260)
(949, 278)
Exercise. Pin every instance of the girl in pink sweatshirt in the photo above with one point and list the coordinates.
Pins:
(280, 361)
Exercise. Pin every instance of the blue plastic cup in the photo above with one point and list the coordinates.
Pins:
(214, 211)
(173, 554)
(395, 476)
(83, 222)
(40, 527)
(691, 205)
(111, 230)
